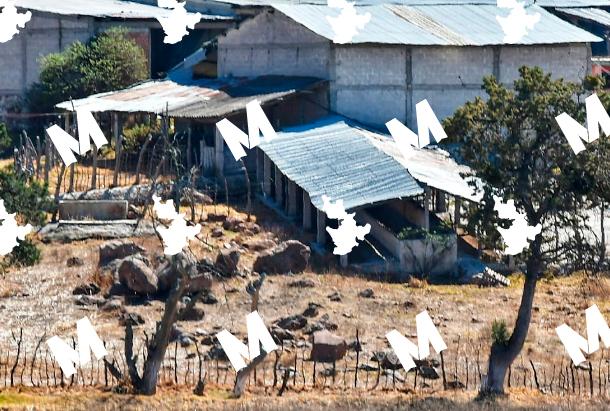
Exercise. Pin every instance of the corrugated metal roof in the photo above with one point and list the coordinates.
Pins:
(196, 99)
(334, 158)
(102, 8)
(434, 167)
(463, 24)
(542, 3)
(593, 14)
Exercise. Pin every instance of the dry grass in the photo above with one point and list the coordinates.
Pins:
(216, 400)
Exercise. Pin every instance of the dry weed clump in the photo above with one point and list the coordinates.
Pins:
(415, 282)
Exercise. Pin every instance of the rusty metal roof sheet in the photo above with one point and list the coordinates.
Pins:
(195, 99)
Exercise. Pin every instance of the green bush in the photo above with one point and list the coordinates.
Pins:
(25, 254)
(135, 136)
(419, 233)
(30, 201)
(6, 143)
(499, 332)
(28, 198)
(110, 61)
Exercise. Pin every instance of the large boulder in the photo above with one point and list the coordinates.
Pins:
(289, 256)
(137, 276)
(227, 260)
(166, 277)
(327, 347)
(117, 249)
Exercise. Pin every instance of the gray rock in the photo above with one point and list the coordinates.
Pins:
(303, 283)
(368, 293)
(134, 319)
(117, 249)
(427, 372)
(191, 314)
(336, 297)
(68, 231)
(137, 276)
(114, 304)
(311, 310)
(231, 223)
(86, 300)
(293, 322)
(86, 289)
(259, 245)
(166, 277)
(489, 278)
(75, 262)
(289, 256)
(227, 260)
(217, 232)
(327, 347)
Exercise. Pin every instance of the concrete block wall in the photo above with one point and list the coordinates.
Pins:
(375, 83)
(271, 43)
(43, 34)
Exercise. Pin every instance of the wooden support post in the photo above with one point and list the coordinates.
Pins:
(267, 177)
(189, 148)
(219, 145)
(306, 211)
(457, 213)
(343, 260)
(321, 227)
(47, 159)
(259, 166)
(279, 190)
(427, 208)
(441, 205)
(117, 147)
(291, 203)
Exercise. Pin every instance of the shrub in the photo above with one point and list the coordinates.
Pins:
(135, 136)
(6, 143)
(25, 254)
(30, 200)
(499, 332)
(108, 62)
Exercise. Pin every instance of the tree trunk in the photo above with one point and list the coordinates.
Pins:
(184, 268)
(503, 355)
(602, 256)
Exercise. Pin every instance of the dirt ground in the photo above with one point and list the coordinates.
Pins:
(302, 401)
(39, 299)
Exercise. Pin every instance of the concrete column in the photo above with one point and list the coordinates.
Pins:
(343, 261)
(279, 190)
(219, 155)
(427, 208)
(457, 212)
(441, 206)
(259, 166)
(291, 204)
(306, 211)
(321, 227)
(267, 177)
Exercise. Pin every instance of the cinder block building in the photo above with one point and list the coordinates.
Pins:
(57, 24)
(405, 54)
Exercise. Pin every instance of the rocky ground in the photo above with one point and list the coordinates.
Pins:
(91, 278)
